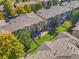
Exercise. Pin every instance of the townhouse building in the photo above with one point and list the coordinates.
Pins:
(29, 22)
(55, 15)
(65, 47)
(73, 4)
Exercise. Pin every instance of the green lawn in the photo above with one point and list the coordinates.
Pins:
(1, 0)
(47, 37)
(32, 46)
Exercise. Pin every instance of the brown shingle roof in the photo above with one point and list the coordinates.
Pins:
(77, 23)
(53, 11)
(21, 22)
(76, 28)
(61, 48)
(41, 55)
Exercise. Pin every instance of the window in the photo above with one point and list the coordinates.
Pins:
(28, 28)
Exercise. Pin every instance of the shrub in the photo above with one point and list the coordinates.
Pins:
(27, 7)
(60, 29)
(67, 24)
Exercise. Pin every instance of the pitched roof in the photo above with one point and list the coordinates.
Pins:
(21, 22)
(61, 44)
(77, 23)
(72, 4)
(66, 35)
(41, 55)
(76, 28)
(53, 11)
(64, 52)
(47, 46)
(57, 49)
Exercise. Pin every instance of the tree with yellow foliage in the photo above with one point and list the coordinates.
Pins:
(9, 8)
(10, 45)
(20, 9)
(67, 24)
(27, 7)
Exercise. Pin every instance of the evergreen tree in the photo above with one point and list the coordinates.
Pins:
(25, 38)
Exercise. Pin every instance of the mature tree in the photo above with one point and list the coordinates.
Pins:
(25, 39)
(49, 4)
(1, 1)
(9, 8)
(75, 15)
(60, 29)
(36, 7)
(20, 9)
(27, 7)
(12, 12)
(9, 42)
(67, 24)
